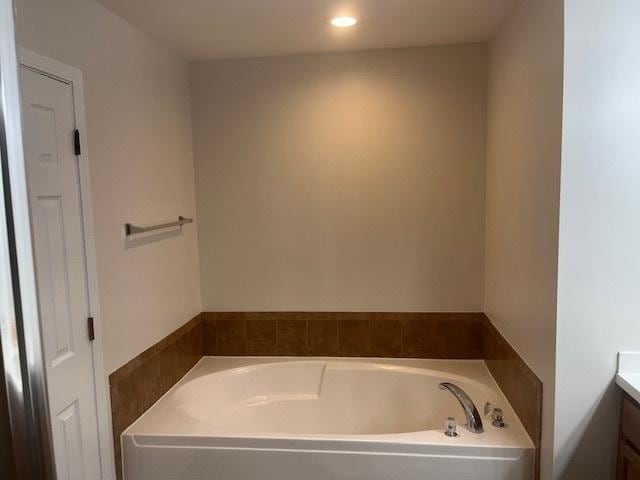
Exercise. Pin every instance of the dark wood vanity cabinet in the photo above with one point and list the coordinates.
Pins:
(629, 443)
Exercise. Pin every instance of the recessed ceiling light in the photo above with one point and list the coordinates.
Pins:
(344, 22)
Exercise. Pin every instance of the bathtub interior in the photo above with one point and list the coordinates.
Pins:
(323, 397)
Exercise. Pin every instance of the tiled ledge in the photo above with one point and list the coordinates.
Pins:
(143, 380)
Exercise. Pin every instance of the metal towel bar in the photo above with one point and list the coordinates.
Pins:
(131, 229)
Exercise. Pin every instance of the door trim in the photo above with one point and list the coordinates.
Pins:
(74, 77)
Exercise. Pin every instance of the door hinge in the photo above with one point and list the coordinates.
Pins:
(76, 141)
(90, 329)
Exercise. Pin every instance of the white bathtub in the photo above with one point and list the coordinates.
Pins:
(256, 418)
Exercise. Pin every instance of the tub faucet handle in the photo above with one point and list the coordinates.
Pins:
(451, 427)
(498, 418)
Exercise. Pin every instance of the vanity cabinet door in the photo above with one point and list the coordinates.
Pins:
(628, 463)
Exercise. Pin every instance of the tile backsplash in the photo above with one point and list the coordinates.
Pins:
(417, 335)
(517, 381)
(139, 383)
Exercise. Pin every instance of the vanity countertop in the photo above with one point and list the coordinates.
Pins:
(630, 383)
(628, 376)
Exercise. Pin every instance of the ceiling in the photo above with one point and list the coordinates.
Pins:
(208, 29)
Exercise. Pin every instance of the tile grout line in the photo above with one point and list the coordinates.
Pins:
(306, 337)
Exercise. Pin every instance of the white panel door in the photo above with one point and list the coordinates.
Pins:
(61, 274)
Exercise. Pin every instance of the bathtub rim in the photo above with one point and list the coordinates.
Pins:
(525, 442)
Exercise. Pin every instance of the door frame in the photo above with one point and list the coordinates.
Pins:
(21, 340)
(73, 76)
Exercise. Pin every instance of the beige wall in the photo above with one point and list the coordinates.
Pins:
(523, 178)
(343, 181)
(140, 149)
(599, 262)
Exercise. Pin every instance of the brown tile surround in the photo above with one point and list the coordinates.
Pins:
(517, 381)
(138, 384)
(143, 380)
(413, 335)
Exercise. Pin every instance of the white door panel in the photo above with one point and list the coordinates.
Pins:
(56, 212)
